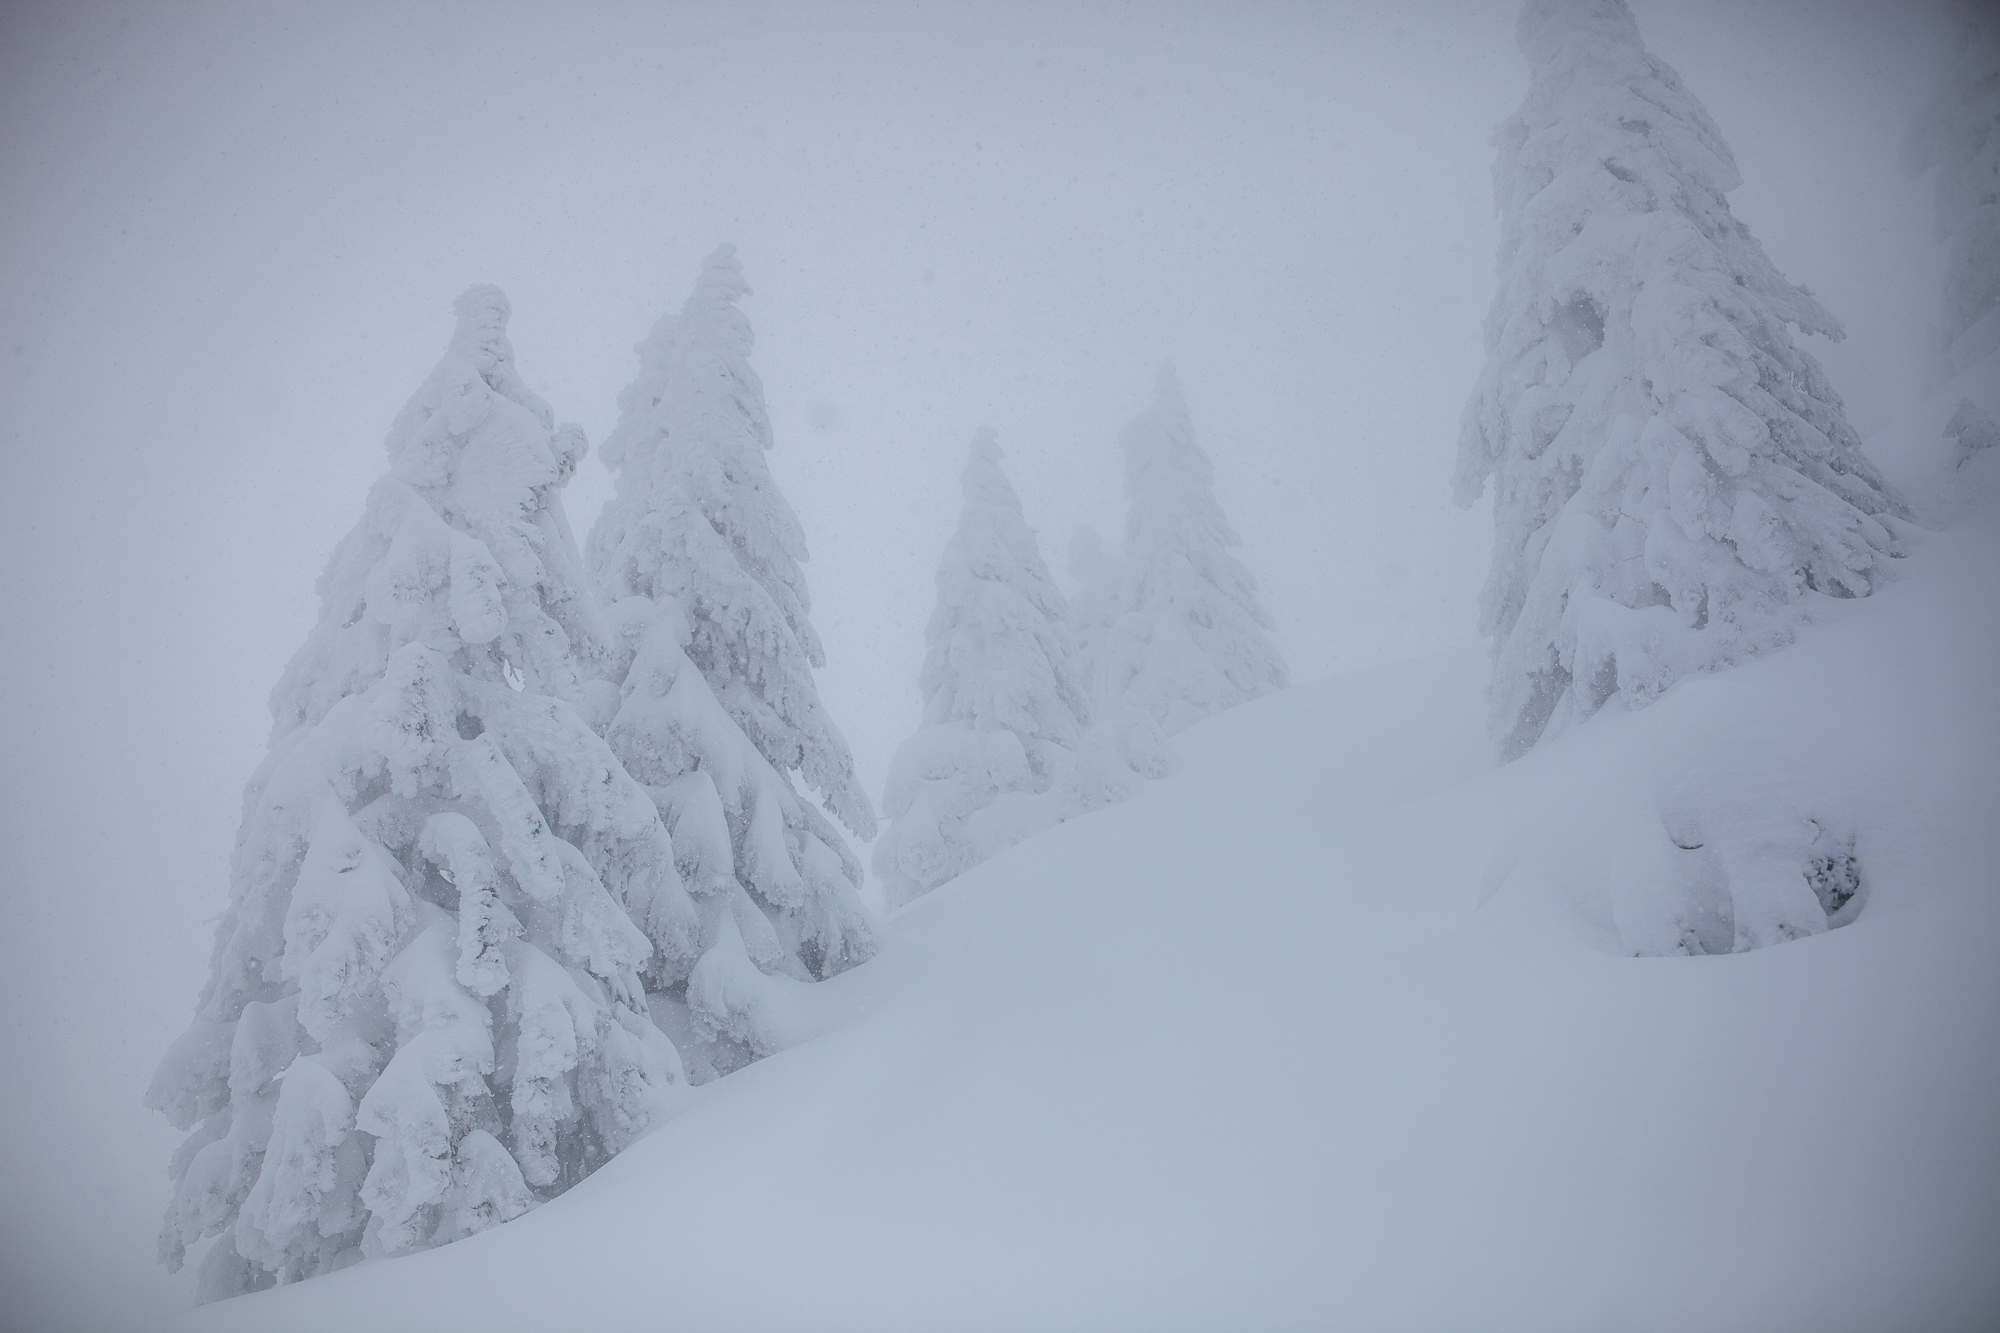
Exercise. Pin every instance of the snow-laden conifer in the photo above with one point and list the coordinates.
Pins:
(1189, 639)
(1675, 481)
(1958, 132)
(696, 559)
(424, 1011)
(1003, 710)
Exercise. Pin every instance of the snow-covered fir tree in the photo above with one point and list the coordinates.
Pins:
(696, 560)
(1189, 639)
(1958, 133)
(425, 1011)
(1003, 710)
(1674, 480)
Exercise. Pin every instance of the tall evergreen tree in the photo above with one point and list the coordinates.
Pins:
(1958, 132)
(1190, 640)
(1675, 482)
(424, 1011)
(697, 561)
(1003, 710)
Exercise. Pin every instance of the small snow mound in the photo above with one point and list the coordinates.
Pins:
(1972, 429)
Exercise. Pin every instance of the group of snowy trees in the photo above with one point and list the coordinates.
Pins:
(529, 853)
(1036, 710)
(519, 822)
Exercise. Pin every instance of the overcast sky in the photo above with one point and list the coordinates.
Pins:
(230, 237)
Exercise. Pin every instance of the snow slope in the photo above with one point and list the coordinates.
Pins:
(1334, 1029)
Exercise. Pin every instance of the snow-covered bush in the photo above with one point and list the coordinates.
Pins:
(425, 1011)
(1971, 430)
(696, 560)
(1003, 710)
(1958, 132)
(1189, 637)
(1675, 482)
(1756, 873)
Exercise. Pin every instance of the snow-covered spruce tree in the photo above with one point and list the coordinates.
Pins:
(1674, 480)
(1958, 132)
(1191, 638)
(696, 559)
(424, 1011)
(1003, 710)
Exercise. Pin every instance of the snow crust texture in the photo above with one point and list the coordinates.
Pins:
(1676, 485)
(425, 1013)
(696, 559)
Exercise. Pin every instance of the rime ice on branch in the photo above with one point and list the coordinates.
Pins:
(1003, 709)
(697, 561)
(424, 1012)
(1674, 481)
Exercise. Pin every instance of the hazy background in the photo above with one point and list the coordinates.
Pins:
(232, 235)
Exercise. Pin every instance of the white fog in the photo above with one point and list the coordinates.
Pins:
(1197, 1051)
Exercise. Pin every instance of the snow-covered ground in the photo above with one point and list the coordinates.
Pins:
(1336, 1028)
